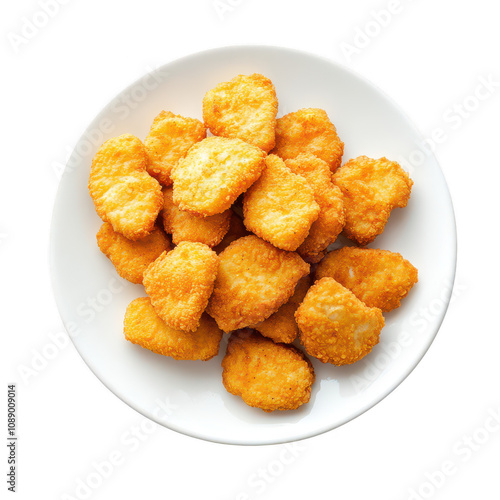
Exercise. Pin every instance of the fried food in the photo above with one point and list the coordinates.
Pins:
(243, 108)
(335, 326)
(379, 278)
(180, 282)
(253, 280)
(142, 326)
(266, 375)
(308, 131)
(168, 141)
(124, 194)
(329, 224)
(214, 173)
(251, 209)
(236, 230)
(131, 258)
(371, 189)
(281, 326)
(184, 226)
(280, 206)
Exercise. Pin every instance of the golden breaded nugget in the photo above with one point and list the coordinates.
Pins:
(236, 230)
(266, 375)
(330, 221)
(377, 277)
(280, 206)
(124, 194)
(371, 189)
(142, 326)
(308, 131)
(335, 326)
(281, 326)
(184, 226)
(180, 283)
(253, 280)
(131, 258)
(168, 141)
(214, 173)
(243, 108)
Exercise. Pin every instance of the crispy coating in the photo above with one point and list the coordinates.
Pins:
(266, 375)
(254, 279)
(142, 326)
(331, 219)
(124, 194)
(214, 173)
(168, 141)
(371, 189)
(335, 326)
(281, 326)
(280, 206)
(131, 258)
(180, 283)
(243, 108)
(308, 131)
(379, 278)
(236, 230)
(184, 226)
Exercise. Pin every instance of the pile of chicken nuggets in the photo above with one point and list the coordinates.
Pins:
(230, 234)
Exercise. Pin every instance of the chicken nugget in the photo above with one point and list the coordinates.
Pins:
(308, 131)
(254, 279)
(335, 326)
(371, 189)
(266, 375)
(377, 277)
(142, 326)
(243, 108)
(331, 219)
(280, 206)
(180, 283)
(184, 226)
(124, 194)
(214, 173)
(236, 230)
(281, 326)
(168, 141)
(131, 258)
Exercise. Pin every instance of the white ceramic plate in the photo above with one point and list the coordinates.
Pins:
(188, 396)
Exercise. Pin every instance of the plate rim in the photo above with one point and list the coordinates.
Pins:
(57, 293)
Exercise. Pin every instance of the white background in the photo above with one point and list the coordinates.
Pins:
(430, 56)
